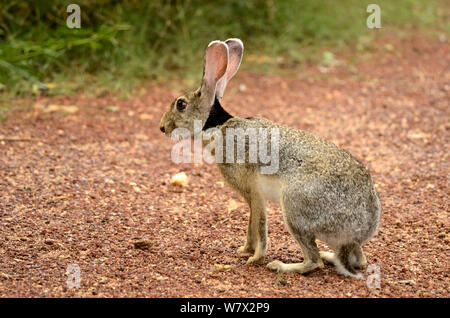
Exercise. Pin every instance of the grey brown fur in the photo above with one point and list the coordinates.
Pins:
(324, 192)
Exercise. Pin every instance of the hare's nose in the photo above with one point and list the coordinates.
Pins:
(163, 130)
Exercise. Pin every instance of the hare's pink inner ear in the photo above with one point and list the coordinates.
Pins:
(235, 52)
(216, 61)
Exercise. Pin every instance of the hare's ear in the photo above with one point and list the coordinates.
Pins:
(235, 51)
(216, 61)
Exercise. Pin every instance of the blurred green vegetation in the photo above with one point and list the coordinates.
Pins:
(120, 43)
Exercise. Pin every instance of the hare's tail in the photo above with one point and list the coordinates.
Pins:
(343, 262)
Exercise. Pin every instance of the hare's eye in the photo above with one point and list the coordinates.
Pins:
(181, 105)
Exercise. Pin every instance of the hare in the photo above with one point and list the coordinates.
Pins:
(324, 192)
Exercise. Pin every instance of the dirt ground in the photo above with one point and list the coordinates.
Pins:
(82, 184)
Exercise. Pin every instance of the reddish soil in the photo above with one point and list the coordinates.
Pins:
(83, 187)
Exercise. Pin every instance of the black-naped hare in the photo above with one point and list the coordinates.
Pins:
(324, 192)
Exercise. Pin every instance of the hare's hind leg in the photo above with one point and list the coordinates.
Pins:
(310, 253)
(292, 207)
(347, 257)
(357, 257)
(343, 260)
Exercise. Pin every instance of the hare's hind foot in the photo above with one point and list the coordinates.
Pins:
(302, 268)
(357, 258)
(348, 257)
(328, 257)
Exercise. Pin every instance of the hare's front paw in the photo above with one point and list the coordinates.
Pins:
(245, 249)
(256, 259)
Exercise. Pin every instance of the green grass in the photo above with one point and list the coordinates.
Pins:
(123, 43)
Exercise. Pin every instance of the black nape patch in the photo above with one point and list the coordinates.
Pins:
(217, 116)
